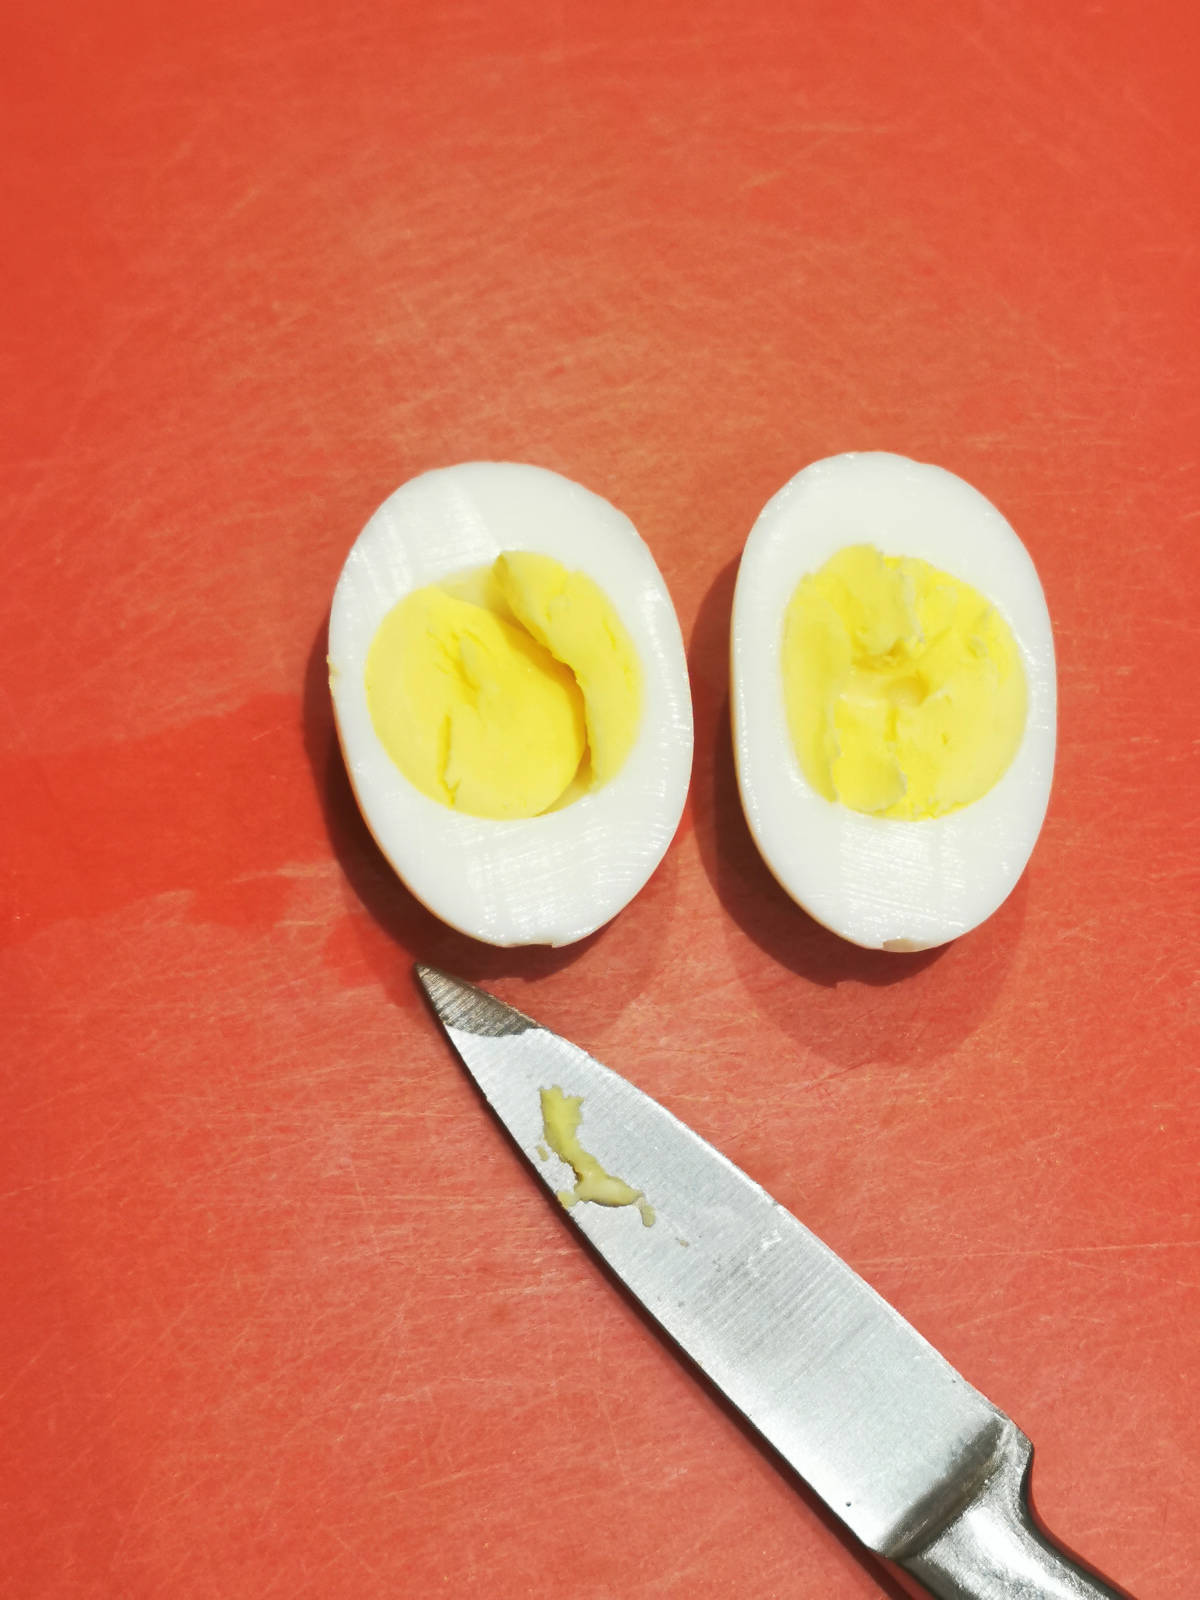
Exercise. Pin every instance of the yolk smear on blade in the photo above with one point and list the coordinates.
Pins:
(904, 688)
(561, 1116)
(506, 691)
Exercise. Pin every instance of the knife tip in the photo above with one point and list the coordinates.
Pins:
(461, 1005)
(440, 988)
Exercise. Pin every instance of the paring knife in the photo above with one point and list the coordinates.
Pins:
(919, 1466)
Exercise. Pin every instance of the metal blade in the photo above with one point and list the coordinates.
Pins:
(876, 1422)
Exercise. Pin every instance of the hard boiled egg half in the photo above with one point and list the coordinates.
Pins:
(511, 696)
(893, 699)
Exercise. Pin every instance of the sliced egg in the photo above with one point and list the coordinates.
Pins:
(444, 769)
(894, 768)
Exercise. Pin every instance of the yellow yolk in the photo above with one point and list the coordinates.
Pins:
(472, 711)
(561, 1116)
(506, 691)
(904, 687)
(570, 616)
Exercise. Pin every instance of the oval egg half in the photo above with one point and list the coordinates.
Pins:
(554, 877)
(886, 881)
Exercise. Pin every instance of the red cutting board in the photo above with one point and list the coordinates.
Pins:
(283, 1315)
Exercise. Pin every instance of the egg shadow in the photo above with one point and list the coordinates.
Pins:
(385, 921)
(861, 1005)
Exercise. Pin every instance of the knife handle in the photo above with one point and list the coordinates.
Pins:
(994, 1550)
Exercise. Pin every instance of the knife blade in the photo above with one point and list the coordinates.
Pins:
(923, 1470)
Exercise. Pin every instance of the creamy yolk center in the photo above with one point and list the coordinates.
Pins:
(505, 691)
(904, 687)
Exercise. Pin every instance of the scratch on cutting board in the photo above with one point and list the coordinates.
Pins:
(162, 1338)
(27, 1366)
(593, 1341)
(448, 1478)
(353, 1550)
(366, 1210)
(1034, 1252)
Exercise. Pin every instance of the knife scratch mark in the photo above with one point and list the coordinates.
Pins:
(368, 1217)
(353, 1549)
(448, 1478)
(27, 1366)
(1002, 1251)
(617, 1454)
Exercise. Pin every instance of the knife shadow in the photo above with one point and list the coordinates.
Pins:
(877, 1567)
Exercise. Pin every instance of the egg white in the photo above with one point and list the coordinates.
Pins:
(550, 879)
(878, 882)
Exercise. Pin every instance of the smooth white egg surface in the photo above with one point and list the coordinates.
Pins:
(545, 879)
(878, 881)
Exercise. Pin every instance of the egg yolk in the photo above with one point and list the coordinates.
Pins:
(904, 687)
(561, 1115)
(506, 691)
